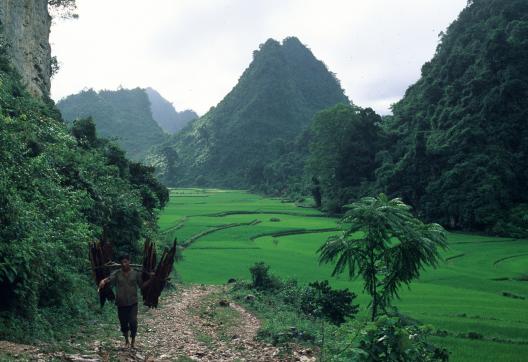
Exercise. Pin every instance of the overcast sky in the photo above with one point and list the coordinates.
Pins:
(193, 52)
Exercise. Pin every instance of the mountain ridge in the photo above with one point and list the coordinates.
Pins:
(123, 114)
(275, 98)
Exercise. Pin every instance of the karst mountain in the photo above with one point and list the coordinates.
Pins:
(274, 100)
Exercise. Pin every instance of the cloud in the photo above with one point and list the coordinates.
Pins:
(193, 52)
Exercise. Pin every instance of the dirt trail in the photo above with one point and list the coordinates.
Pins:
(194, 324)
(178, 329)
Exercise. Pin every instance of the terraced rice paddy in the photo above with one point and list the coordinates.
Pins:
(479, 291)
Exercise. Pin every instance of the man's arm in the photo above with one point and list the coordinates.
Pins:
(105, 281)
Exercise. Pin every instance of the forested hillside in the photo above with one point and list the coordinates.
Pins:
(60, 189)
(456, 145)
(123, 115)
(165, 115)
(274, 100)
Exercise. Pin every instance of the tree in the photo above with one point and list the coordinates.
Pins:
(384, 244)
(316, 191)
(345, 140)
(321, 301)
(64, 9)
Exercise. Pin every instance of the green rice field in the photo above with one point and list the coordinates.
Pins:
(480, 290)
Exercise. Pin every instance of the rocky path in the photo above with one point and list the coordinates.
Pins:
(185, 326)
(195, 324)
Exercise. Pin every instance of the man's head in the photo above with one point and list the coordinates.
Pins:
(124, 260)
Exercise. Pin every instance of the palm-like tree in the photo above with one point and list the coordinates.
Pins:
(385, 244)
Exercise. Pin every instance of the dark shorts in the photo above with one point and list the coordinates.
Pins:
(128, 319)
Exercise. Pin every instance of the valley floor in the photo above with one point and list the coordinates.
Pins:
(476, 300)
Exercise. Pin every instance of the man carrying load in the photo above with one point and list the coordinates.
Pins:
(126, 281)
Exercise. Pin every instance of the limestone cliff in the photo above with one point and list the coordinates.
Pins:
(26, 27)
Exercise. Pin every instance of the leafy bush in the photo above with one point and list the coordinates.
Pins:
(320, 300)
(282, 320)
(261, 279)
(293, 312)
(84, 131)
(317, 300)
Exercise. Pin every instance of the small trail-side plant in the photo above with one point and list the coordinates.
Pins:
(262, 279)
(386, 339)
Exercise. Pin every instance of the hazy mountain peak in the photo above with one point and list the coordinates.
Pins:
(164, 113)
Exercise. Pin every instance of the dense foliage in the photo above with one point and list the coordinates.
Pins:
(458, 142)
(164, 113)
(317, 300)
(342, 157)
(58, 191)
(123, 115)
(456, 146)
(274, 100)
(320, 300)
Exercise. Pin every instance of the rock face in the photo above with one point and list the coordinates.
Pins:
(26, 27)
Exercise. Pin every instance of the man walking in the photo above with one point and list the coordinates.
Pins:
(126, 280)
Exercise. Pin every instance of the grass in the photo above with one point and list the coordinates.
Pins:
(464, 294)
(223, 317)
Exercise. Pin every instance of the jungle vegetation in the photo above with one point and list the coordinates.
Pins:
(456, 145)
(61, 187)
